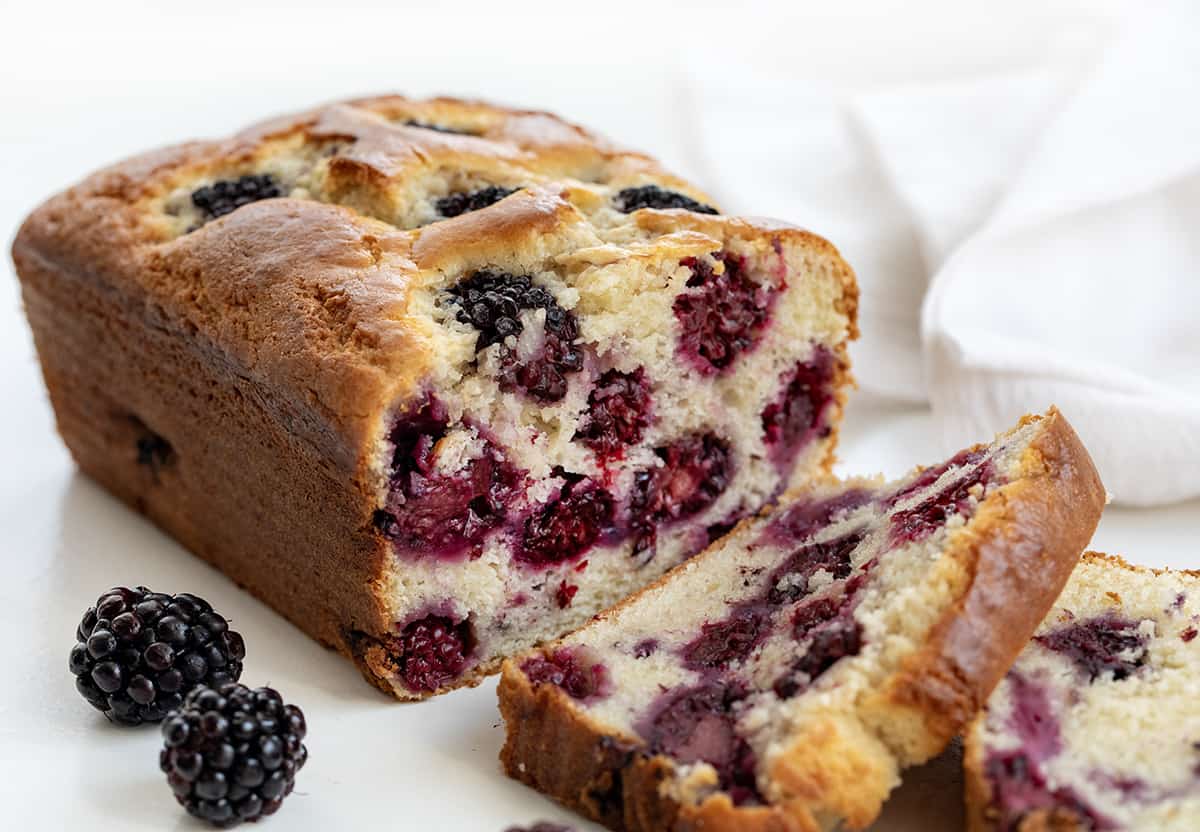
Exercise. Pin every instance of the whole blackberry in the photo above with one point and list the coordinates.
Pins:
(616, 413)
(652, 196)
(139, 652)
(231, 753)
(227, 195)
(462, 203)
(492, 301)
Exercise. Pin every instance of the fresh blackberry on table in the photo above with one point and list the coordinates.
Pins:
(227, 195)
(231, 753)
(138, 652)
(652, 196)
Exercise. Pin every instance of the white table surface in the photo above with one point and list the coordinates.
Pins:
(121, 82)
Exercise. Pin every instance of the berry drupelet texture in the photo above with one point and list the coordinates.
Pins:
(568, 526)
(492, 303)
(462, 203)
(617, 412)
(652, 196)
(567, 668)
(227, 195)
(724, 315)
(694, 472)
(138, 653)
(433, 651)
(231, 753)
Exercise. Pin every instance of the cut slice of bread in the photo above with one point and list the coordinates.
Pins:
(783, 678)
(1097, 725)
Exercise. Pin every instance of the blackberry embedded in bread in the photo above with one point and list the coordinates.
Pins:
(437, 380)
(782, 679)
(1097, 724)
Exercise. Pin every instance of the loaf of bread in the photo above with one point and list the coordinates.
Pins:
(1097, 725)
(437, 380)
(782, 679)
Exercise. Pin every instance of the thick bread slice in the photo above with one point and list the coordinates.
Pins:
(1097, 725)
(783, 678)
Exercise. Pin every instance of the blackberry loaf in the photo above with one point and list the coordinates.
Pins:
(1096, 726)
(782, 679)
(437, 380)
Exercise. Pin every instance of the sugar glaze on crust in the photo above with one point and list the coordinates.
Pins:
(269, 345)
(832, 753)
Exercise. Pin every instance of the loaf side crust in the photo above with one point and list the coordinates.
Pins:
(275, 344)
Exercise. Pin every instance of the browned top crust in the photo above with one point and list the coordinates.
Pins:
(311, 293)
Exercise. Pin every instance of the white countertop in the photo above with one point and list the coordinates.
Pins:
(373, 763)
(371, 759)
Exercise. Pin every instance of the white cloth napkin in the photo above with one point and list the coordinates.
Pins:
(1023, 239)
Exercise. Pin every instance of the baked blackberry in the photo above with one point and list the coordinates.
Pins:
(138, 652)
(723, 316)
(227, 195)
(567, 527)
(492, 302)
(462, 203)
(231, 753)
(617, 411)
(433, 651)
(784, 677)
(652, 196)
(695, 471)
(1094, 726)
(541, 826)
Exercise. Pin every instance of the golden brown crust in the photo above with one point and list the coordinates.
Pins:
(1024, 542)
(1019, 550)
(558, 750)
(271, 345)
(119, 371)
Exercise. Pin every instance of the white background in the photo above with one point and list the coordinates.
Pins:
(84, 85)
